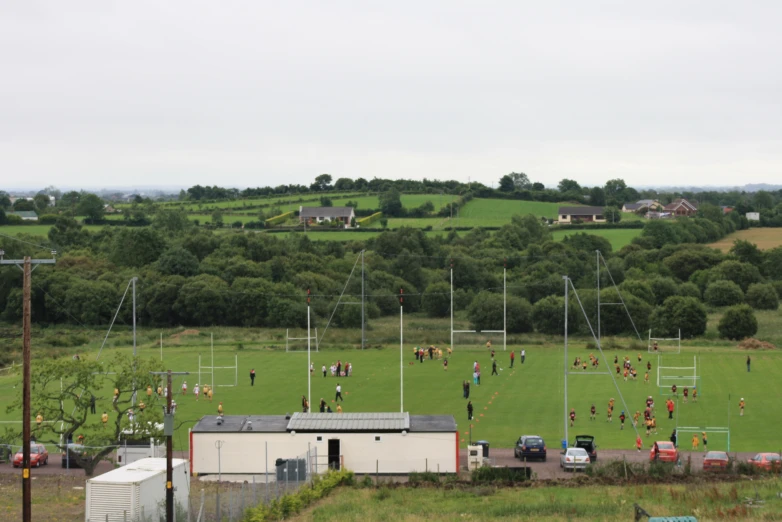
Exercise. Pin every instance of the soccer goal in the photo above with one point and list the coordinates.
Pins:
(718, 437)
(227, 378)
(665, 344)
(299, 344)
(681, 376)
(472, 340)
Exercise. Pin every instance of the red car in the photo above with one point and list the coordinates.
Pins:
(667, 452)
(766, 461)
(38, 456)
(716, 461)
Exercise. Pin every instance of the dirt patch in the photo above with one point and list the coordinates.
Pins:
(177, 336)
(755, 344)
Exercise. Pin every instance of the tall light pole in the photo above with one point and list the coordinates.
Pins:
(567, 281)
(401, 354)
(309, 362)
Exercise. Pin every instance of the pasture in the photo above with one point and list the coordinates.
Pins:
(497, 212)
(764, 238)
(523, 400)
(618, 237)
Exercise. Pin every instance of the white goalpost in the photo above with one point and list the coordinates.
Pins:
(210, 369)
(292, 347)
(681, 376)
(668, 347)
(479, 338)
(504, 330)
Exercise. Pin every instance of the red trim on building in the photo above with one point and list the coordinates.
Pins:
(191, 453)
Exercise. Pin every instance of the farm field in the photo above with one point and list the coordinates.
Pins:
(36, 230)
(618, 237)
(525, 399)
(706, 501)
(497, 212)
(764, 238)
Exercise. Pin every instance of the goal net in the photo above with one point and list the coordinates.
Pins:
(475, 340)
(680, 375)
(718, 437)
(665, 344)
(296, 340)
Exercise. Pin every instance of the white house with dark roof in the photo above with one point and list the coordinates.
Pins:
(312, 215)
(567, 215)
(387, 443)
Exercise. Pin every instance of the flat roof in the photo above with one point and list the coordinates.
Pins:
(327, 423)
(137, 471)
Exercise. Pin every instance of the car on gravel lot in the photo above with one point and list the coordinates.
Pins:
(76, 455)
(767, 461)
(716, 461)
(587, 442)
(530, 447)
(38, 456)
(573, 459)
(667, 452)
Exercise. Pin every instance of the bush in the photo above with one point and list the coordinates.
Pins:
(762, 297)
(485, 313)
(437, 299)
(486, 474)
(276, 220)
(677, 312)
(690, 290)
(737, 323)
(723, 293)
(416, 478)
(365, 222)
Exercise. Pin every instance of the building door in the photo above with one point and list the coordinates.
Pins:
(334, 453)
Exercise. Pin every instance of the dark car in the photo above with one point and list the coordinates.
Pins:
(587, 442)
(716, 461)
(75, 456)
(530, 447)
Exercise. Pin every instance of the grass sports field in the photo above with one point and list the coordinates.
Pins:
(764, 238)
(497, 212)
(618, 237)
(527, 399)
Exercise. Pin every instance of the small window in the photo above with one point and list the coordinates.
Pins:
(319, 438)
(377, 438)
(564, 216)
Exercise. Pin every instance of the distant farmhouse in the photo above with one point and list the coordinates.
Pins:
(681, 207)
(586, 214)
(643, 205)
(26, 215)
(313, 215)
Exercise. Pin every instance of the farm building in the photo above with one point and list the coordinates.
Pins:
(389, 443)
(311, 215)
(681, 207)
(753, 216)
(642, 205)
(588, 214)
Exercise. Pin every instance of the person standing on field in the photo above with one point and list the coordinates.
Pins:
(512, 358)
(322, 405)
(523, 355)
(749, 360)
(469, 410)
(494, 367)
(741, 407)
(338, 396)
(252, 377)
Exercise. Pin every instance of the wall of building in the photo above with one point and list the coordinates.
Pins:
(394, 453)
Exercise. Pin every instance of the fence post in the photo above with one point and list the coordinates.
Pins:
(231, 505)
(217, 497)
(377, 472)
(201, 509)
(426, 468)
(241, 502)
(255, 492)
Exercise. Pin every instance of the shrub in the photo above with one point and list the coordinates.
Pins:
(762, 297)
(276, 220)
(723, 293)
(737, 323)
(416, 478)
(677, 312)
(689, 290)
(365, 222)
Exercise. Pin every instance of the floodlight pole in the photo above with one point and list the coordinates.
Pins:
(26, 265)
(133, 282)
(309, 343)
(363, 320)
(597, 255)
(401, 354)
(504, 306)
(168, 429)
(451, 303)
(566, 357)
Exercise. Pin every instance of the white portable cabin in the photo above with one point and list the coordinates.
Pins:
(385, 443)
(135, 491)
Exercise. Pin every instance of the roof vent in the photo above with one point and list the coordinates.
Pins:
(219, 420)
(287, 416)
(249, 425)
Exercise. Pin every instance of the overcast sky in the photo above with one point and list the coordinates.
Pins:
(175, 93)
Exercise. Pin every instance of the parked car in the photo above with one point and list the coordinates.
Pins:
(766, 461)
(716, 461)
(74, 457)
(38, 456)
(573, 459)
(667, 452)
(530, 447)
(587, 442)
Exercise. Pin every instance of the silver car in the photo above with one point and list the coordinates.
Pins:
(573, 459)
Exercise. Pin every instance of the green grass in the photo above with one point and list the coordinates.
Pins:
(618, 237)
(497, 212)
(707, 501)
(526, 399)
(328, 235)
(36, 230)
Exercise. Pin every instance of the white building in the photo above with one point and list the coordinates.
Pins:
(753, 216)
(388, 443)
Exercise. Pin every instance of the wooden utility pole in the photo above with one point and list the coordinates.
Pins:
(26, 265)
(168, 430)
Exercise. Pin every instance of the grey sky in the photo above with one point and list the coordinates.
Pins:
(263, 93)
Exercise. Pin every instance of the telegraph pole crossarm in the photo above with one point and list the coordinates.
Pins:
(168, 429)
(27, 265)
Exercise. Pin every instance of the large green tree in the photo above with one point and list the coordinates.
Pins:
(91, 207)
